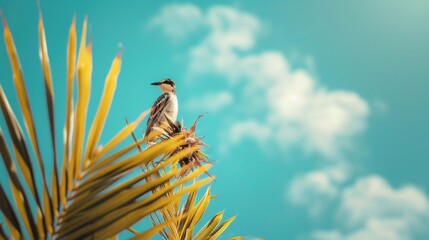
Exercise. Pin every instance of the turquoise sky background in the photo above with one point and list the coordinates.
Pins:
(318, 120)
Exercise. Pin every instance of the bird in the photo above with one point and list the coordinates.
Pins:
(166, 106)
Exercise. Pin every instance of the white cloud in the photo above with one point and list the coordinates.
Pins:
(229, 30)
(178, 20)
(372, 209)
(299, 109)
(212, 102)
(317, 188)
(249, 128)
(325, 121)
(374, 195)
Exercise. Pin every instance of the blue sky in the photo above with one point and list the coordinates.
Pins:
(318, 120)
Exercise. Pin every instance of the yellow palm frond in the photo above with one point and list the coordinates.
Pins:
(91, 193)
(182, 220)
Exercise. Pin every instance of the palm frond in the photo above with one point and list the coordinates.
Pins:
(66, 173)
(190, 214)
(93, 195)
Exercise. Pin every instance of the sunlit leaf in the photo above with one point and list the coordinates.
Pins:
(71, 62)
(44, 58)
(103, 109)
(28, 120)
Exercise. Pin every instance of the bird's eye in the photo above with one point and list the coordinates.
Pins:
(169, 81)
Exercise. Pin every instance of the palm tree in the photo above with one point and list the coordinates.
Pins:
(91, 194)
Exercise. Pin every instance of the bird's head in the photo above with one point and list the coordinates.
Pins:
(166, 85)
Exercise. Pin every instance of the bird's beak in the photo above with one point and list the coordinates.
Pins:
(155, 83)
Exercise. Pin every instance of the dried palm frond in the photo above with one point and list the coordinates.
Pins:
(176, 220)
(180, 220)
(89, 197)
(196, 158)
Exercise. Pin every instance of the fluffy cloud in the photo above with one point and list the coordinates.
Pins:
(249, 128)
(324, 121)
(178, 20)
(229, 30)
(372, 209)
(379, 199)
(299, 109)
(317, 188)
(212, 102)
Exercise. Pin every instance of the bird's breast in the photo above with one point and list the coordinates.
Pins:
(173, 107)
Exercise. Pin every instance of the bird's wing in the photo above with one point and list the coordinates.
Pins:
(156, 111)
